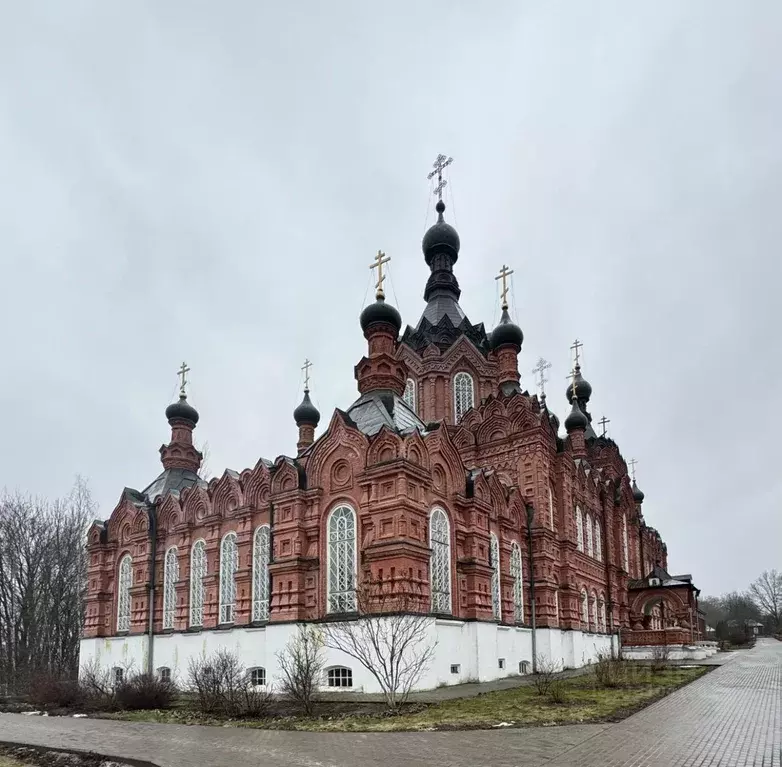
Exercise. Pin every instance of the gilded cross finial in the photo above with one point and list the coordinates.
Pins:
(604, 423)
(306, 368)
(539, 371)
(439, 165)
(380, 259)
(576, 348)
(632, 463)
(182, 374)
(503, 275)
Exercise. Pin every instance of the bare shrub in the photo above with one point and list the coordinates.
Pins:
(47, 691)
(608, 671)
(547, 669)
(145, 691)
(556, 691)
(301, 664)
(660, 655)
(390, 640)
(98, 687)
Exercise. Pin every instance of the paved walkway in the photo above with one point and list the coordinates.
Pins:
(732, 717)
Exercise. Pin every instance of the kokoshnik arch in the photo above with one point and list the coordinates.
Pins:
(421, 484)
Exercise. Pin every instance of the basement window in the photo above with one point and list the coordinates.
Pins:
(164, 673)
(340, 677)
(501, 662)
(524, 667)
(455, 668)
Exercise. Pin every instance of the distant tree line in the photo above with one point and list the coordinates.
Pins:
(42, 581)
(761, 602)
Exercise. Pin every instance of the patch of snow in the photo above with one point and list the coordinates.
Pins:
(504, 724)
(31, 713)
(80, 716)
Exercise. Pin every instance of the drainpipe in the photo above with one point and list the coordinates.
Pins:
(151, 587)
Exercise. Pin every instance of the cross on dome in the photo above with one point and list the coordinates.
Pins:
(182, 374)
(439, 165)
(503, 275)
(380, 259)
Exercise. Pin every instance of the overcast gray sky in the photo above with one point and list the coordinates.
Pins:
(209, 181)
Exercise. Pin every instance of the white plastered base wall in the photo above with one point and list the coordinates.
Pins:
(466, 651)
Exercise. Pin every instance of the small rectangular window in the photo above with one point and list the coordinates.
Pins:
(119, 675)
(258, 677)
(165, 674)
(501, 662)
(455, 668)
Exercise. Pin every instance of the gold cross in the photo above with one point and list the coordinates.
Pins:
(306, 368)
(604, 423)
(576, 348)
(380, 259)
(540, 370)
(503, 275)
(632, 463)
(183, 371)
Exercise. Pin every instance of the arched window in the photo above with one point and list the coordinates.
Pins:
(170, 577)
(125, 581)
(598, 541)
(164, 674)
(342, 560)
(589, 532)
(229, 564)
(593, 616)
(261, 574)
(463, 394)
(197, 574)
(584, 610)
(339, 676)
(257, 677)
(603, 620)
(440, 563)
(494, 553)
(625, 556)
(409, 395)
(518, 582)
(556, 607)
(579, 529)
(551, 508)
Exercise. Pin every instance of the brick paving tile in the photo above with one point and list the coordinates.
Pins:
(730, 718)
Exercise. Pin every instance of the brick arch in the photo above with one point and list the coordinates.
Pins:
(671, 598)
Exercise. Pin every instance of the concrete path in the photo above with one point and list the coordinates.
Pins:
(731, 717)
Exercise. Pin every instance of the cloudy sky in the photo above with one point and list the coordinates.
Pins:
(209, 181)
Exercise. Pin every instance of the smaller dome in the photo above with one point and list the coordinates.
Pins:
(638, 494)
(583, 387)
(554, 421)
(507, 332)
(306, 413)
(440, 236)
(576, 420)
(380, 311)
(182, 409)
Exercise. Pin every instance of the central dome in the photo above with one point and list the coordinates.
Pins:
(440, 237)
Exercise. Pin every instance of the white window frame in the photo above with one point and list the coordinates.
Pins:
(603, 615)
(331, 675)
(579, 529)
(598, 540)
(551, 507)
(625, 546)
(409, 396)
(494, 559)
(124, 582)
(590, 547)
(229, 564)
(198, 571)
(584, 609)
(260, 671)
(517, 574)
(343, 599)
(463, 400)
(261, 559)
(170, 577)
(440, 561)
(164, 674)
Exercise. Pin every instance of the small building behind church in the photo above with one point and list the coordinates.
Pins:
(424, 484)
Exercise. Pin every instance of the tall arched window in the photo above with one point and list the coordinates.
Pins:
(518, 582)
(589, 532)
(556, 607)
(551, 508)
(440, 563)
(170, 577)
(603, 620)
(579, 529)
(229, 564)
(197, 574)
(261, 573)
(598, 541)
(496, 607)
(124, 582)
(625, 556)
(409, 395)
(463, 394)
(584, 610)
(342, 560)
(593, 616)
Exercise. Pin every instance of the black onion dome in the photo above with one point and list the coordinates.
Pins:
(576, 420)
(182, 409)
(638, 494)
(306, 413)
(554, 421)
(583, 387)
(441, 236)
(507, 332)
(380, 311)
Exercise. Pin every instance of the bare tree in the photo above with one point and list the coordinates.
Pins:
(766, 593)
(390, 639)
(42, 580)
(547, 670)
(301, 663)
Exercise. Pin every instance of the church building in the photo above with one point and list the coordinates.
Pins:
(444, 481)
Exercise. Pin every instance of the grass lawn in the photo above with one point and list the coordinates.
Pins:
(522, 706)
(6, 761)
